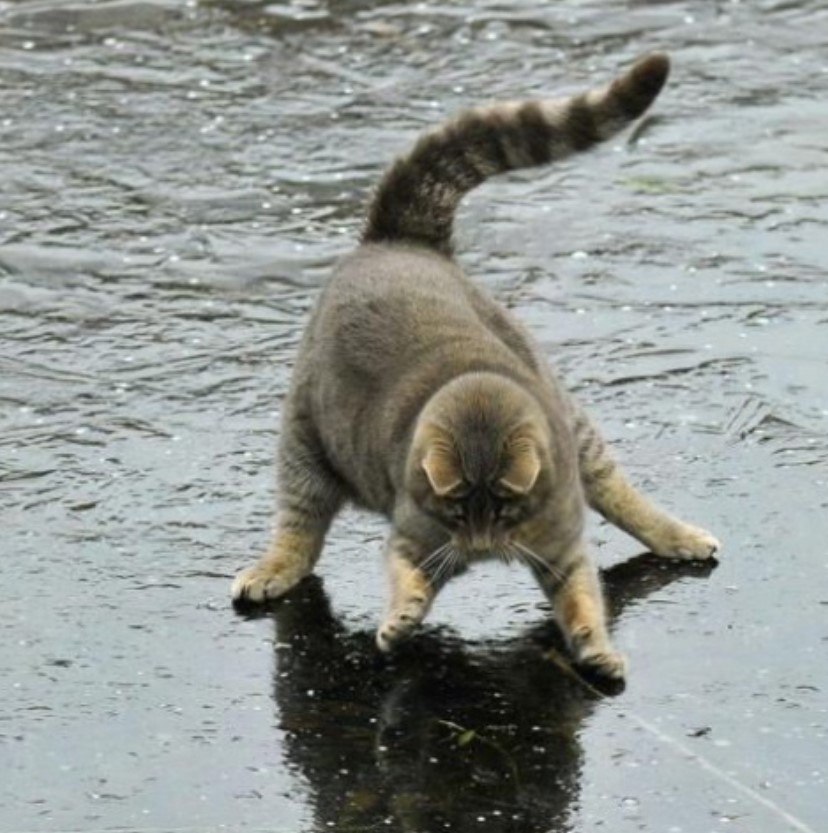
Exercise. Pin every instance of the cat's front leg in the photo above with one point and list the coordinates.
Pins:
(309, 499)
(297, 542)
(571, 584)
(412, 591)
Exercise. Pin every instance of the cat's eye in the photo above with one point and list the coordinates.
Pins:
(456, 510)
(509, 512)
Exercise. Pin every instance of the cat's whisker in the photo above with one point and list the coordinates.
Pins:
(439, 561)
(531, 557)
(440, 567)
(435, 556)
(450, 563)
(506, 554)
(456, 558)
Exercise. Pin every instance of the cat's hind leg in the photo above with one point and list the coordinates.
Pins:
(412, 592)
(309, 497)
(609, 492)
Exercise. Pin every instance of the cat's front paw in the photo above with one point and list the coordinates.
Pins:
(594, 655)
(687, 542)
(261, 582)
(603, 664)
(396, 628)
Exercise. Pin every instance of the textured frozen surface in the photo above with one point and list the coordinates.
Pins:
(176, 180)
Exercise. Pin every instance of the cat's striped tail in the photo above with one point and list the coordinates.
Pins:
(417, 197)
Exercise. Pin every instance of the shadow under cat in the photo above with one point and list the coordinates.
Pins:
(446, 735)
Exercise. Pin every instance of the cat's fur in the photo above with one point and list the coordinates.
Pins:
(418, 396)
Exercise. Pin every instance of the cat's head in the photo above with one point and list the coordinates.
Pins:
(480, 462)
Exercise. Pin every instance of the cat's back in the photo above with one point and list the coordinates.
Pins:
(385, 304)
(394, 275)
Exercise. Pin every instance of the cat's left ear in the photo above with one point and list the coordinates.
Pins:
(523, 467)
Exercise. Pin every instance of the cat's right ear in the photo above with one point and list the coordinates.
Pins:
(441, 469)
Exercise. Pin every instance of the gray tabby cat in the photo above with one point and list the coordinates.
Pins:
(418, 396)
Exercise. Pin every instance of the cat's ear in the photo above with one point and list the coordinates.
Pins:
(523, 467)
(441, 469)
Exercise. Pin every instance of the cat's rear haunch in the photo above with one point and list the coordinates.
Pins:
(417, 395)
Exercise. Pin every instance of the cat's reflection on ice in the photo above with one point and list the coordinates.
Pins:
(447, 735)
